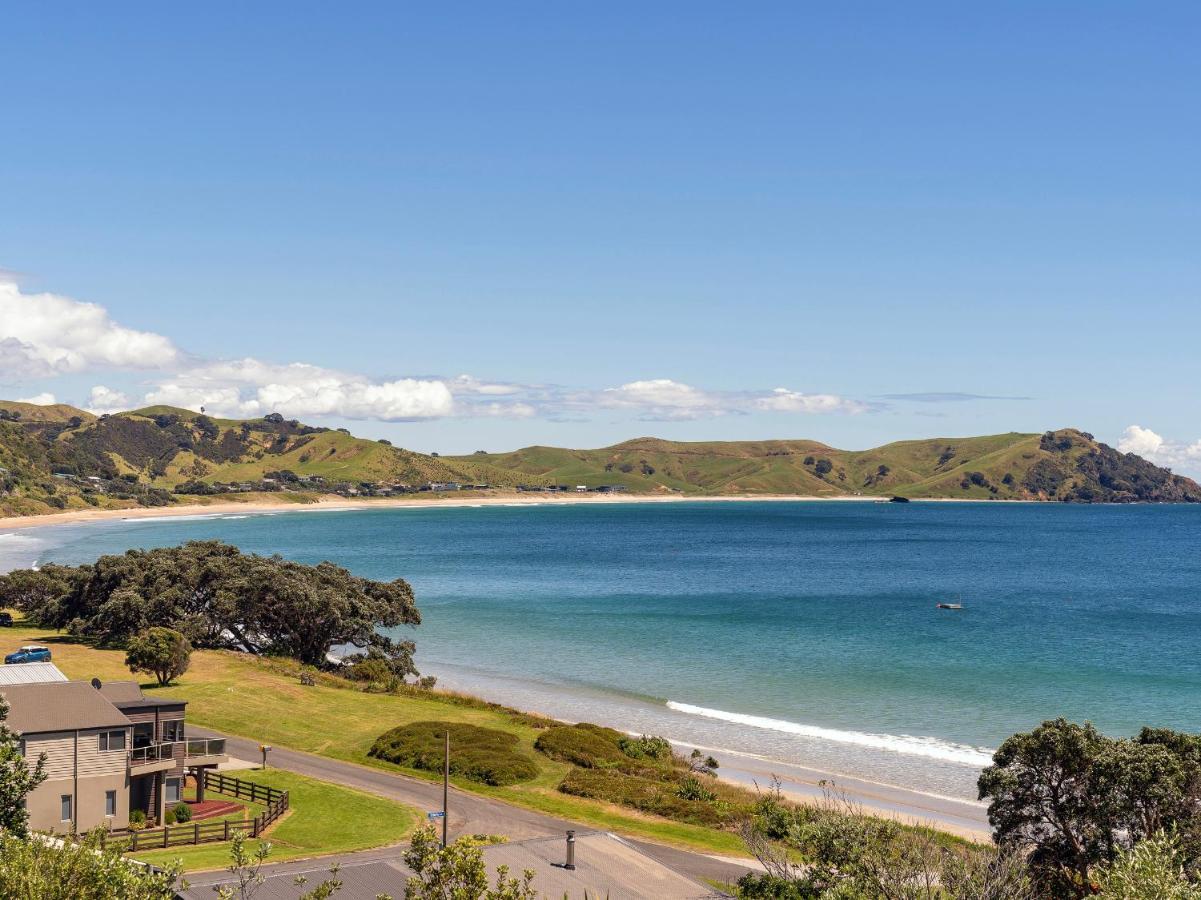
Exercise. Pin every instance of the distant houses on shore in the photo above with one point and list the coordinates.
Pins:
(287, 480)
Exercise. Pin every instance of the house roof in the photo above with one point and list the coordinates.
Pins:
(30, 673)
(128, 694)
(59, 706)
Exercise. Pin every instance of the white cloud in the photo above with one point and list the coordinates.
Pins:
(43, 399)
(1155, 448)
(251, 387)
(664, 398)
(784, 400)
(467, 384)
(103, 400)
(48, 334)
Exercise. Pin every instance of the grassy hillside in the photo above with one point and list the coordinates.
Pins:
(1061, 465)
(63, 458)
(58, 457)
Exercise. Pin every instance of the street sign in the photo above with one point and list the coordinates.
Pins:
(435, 815)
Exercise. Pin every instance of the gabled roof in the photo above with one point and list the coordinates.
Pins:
(59, 706)
(30, 673)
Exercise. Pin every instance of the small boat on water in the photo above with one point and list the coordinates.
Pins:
(950, 606)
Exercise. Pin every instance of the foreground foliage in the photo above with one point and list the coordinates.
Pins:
(36, 869)
(216, 596)
(1074, 799)
(486, 755)
(17, 779)
(458, 871)
(833, 851)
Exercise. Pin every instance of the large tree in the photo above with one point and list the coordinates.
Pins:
(17, 779)
(1075, 798)
(216, 596)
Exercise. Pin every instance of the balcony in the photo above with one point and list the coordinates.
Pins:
(206, 752)
(152, 758)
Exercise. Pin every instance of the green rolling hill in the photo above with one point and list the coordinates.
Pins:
(58, 457)
(1061, 465)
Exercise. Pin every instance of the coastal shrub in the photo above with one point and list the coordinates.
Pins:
(585, 744)
(645, 746)
(486, 755)
(648, 795)
(691, 788)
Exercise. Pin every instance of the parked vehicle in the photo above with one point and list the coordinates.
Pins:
(6, 620)
(27, 654)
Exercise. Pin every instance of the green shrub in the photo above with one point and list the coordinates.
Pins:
(169, 817)
(478, 754)
(587, 745)
(183, 812)
(645, 747)
(647, 795)
(690, 788)
(137, 820)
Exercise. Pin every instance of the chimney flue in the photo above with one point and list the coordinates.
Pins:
(570, 864)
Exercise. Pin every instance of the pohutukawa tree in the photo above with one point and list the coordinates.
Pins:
(216, 596)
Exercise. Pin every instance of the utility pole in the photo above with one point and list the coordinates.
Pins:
(445, 785)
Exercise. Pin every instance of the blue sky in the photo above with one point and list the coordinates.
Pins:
(617, 219)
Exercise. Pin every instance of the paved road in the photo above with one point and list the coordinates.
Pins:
(469, 813)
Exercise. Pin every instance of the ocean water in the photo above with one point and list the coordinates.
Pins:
(802, 632)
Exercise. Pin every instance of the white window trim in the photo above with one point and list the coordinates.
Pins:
(70, 798)
(107, 814)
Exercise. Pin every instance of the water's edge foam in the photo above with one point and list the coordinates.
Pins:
(929, 747)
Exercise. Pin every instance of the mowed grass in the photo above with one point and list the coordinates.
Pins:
(324, 818)
(262, 699)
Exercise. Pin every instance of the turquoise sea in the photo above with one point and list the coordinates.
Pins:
(803, 632)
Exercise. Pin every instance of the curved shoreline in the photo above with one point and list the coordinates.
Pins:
(334, 503)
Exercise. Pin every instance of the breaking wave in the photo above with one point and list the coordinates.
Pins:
(930, 747)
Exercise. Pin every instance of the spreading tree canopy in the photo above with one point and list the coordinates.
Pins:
(1075, 799)
(216, 596)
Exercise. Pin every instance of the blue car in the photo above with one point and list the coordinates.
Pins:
(29, 653)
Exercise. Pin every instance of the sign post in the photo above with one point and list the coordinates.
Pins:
(445, 785)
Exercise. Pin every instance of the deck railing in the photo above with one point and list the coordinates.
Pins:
(211, 747)
(139, 756)
(276, 801)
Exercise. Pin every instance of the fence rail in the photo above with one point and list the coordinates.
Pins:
(277, 803)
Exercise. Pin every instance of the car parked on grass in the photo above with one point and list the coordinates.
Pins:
(27, 654)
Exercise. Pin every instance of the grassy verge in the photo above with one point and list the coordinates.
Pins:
(263, 700)
(324, 818)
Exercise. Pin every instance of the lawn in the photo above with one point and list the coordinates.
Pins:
(263, 700)
(324, 818)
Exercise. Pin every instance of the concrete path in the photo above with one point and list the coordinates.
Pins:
(469, 813)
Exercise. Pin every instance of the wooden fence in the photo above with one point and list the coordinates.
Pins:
(276, 801)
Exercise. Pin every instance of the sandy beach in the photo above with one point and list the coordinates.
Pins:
(333, 502)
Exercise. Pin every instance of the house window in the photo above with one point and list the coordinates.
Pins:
(110, 803)
(143, 735)
(172, 730)
(65, 805)
(112, 740)
(173, 790)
